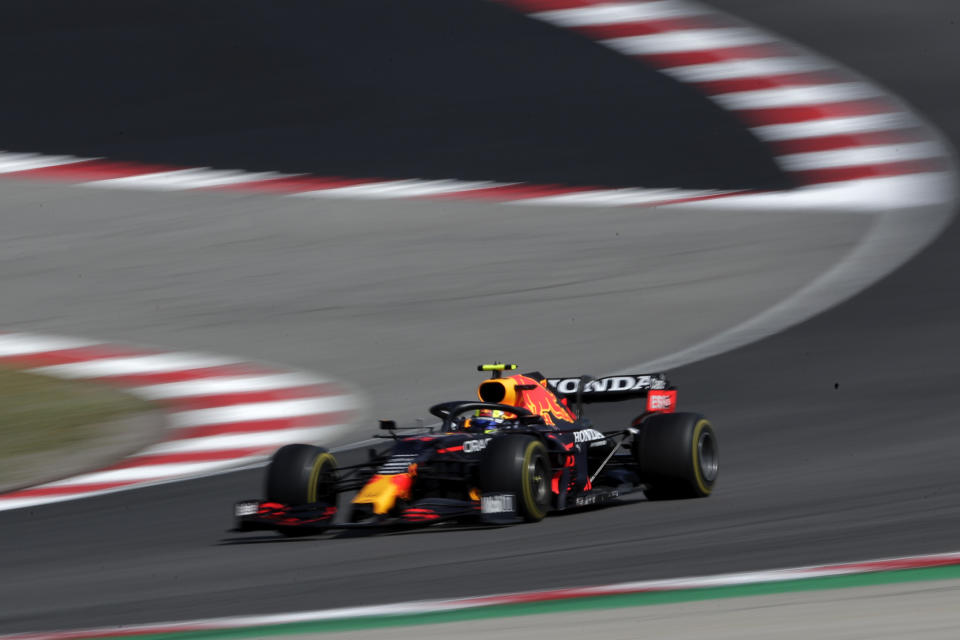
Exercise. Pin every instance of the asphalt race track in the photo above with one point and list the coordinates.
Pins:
(837, 436)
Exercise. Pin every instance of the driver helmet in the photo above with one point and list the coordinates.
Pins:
(487, 420)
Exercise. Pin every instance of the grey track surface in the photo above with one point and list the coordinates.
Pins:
(837, 436)
(369, 290)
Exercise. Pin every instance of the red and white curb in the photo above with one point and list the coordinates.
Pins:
(221, 412)
(825, 125)
(438, 606)
(107, 174)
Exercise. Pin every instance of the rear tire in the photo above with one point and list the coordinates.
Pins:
(677, 455)
(518, 465)
(302, 474)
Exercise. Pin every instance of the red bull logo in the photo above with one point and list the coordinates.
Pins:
(521, 391)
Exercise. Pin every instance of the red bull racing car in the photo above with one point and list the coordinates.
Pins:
(519, 452)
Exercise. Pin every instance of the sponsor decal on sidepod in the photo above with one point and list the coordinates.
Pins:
(473, 446)
(587, 435)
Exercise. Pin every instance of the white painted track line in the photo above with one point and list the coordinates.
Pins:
(857, 156)
(198, 178)
(750, 68)
(618, 197)
(254, 411)
(836, 126)
(227, 384)
(19, 344)
(12, 162)
(796, 96)
(619, 12)
(398, 189)
(687, 40)
(135, 365)
(266, 439)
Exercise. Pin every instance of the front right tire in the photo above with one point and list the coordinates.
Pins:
(518, 465)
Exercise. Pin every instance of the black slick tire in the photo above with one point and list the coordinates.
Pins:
(518, 465)
(302, 474)
(677, 455)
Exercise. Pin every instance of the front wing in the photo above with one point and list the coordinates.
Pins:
(493, 508)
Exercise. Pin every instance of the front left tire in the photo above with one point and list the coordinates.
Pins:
(302, 474)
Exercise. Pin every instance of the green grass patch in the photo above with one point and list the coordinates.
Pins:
(41, 415)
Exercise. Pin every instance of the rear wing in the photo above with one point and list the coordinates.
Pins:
(611, 388)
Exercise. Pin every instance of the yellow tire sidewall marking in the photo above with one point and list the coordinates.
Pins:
(701, 426)
(528, 500)
(318, 464)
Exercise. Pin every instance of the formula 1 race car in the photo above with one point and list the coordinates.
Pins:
(515, 455)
